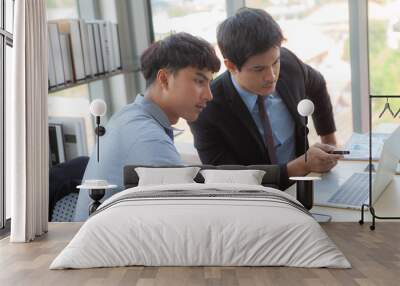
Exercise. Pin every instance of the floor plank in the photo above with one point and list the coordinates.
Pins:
(374, 255)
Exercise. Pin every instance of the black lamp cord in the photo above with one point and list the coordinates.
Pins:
(305, 139)
(98, 136)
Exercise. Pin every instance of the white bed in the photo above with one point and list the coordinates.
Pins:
(225, 225)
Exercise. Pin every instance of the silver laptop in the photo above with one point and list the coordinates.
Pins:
(355, 190)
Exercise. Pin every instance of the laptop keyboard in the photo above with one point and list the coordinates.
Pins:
(353, 192)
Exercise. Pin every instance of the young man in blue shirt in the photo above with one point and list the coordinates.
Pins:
(178, 71)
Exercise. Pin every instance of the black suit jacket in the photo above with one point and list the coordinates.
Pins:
(225, 132)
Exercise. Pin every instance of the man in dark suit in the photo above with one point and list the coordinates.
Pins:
(253, 116)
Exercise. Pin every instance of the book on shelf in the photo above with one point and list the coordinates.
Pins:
(85, 47)
(116, 46)
(56, 144)
(51, 68)
(97, 45)
(112, 51)
(74, 133)
(105, 46)
(55, 47)
(66, 57)
(92, 50)
(71, 27)
(80, 49)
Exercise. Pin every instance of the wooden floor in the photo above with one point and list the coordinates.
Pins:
(374, 255)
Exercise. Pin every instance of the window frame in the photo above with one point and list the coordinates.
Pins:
(6, 39)
(359, 63)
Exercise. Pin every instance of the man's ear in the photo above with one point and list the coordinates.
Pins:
(162, 78)
(231, 67)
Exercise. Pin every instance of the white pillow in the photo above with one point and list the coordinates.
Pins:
(163, 176)
(248, 177)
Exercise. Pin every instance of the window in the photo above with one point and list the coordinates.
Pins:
(199, 18)
(384, 60)
(6, 42)
(318, 32)
(9, 12)
(61, 9)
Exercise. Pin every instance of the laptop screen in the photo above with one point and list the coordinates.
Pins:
(387, 164)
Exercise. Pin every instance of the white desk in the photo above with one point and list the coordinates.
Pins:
(387, 205)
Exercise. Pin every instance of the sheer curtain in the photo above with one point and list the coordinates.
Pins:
(26, 119)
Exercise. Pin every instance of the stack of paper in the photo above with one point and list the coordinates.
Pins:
(358, 145)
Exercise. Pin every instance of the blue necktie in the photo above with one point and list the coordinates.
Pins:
(170, 133)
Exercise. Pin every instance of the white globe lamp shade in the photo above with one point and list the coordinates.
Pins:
(98, 107)
(305, 107)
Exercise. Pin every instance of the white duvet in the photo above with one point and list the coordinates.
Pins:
(183, 231)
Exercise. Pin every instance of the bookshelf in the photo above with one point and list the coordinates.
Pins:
(90, 79)
(81, 52)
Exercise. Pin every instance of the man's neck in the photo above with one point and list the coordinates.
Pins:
(237, 83)
(156, 97)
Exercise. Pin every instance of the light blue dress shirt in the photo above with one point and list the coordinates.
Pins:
(139, 134)
(281, 120)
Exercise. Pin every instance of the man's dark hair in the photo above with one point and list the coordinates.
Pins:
(176, 52)
(247, 33)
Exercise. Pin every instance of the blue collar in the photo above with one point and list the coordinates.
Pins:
(249, 98)
(154, 111)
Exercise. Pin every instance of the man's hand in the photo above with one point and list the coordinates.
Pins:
(318, 160)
